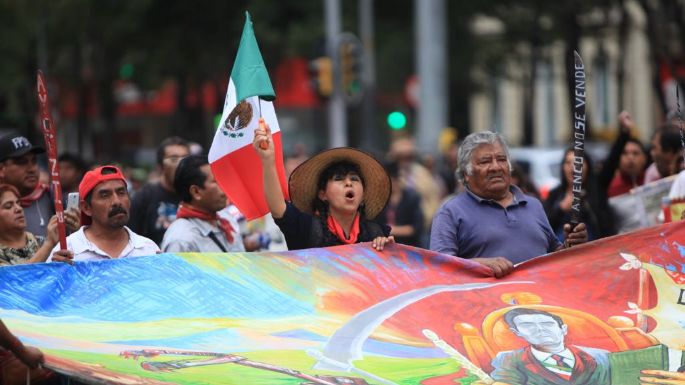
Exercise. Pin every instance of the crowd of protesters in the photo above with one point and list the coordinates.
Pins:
(473, 203)
(415, 191)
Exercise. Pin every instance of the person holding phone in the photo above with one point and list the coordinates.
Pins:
(105, 207)
(18, 246)
(72, 200)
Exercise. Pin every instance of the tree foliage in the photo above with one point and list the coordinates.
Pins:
(83, 44)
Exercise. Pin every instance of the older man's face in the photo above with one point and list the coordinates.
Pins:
(491, 176)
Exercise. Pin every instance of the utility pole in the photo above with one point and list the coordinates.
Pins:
(431, 61)
(369, 131)
(337, 118)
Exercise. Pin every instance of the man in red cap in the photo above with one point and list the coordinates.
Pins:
(105, 206)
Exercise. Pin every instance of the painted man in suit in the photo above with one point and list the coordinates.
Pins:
(547, 360)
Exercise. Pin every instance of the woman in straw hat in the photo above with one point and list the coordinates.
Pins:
(334, 194)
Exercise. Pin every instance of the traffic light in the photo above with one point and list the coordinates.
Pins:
(397, 120)
(350, 52)
(126, 71)
(322, 71)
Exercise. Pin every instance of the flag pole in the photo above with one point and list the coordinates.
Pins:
(264, 144)
(233, 159)
(579, 124)
(48, 129)
(680, 117)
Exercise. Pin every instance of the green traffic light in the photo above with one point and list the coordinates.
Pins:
(126, 71)
(397, 120)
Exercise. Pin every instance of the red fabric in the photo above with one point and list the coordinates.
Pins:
(38, 192)
(94, 177)
(239, 174)
(338, 231)
(621, 184)
(187, 211)
(293, 84)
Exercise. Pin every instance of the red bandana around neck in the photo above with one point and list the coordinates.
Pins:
(338, 231)
(187, 211)
(38, 192)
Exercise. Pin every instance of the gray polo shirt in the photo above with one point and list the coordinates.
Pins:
(187, 235)
(471, 227)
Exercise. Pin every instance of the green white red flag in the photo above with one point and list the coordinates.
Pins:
(235, 164)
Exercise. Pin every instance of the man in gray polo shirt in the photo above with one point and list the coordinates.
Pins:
(198, 226)
(492, 221)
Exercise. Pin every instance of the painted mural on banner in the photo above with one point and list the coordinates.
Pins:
(608, 312)
(641, 207)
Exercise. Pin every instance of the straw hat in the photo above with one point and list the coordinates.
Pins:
(304, 179)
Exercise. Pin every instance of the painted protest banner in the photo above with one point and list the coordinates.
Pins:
(351, 315)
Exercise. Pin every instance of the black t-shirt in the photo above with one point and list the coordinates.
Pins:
(406, 212)
(152, 210)
(298, 229)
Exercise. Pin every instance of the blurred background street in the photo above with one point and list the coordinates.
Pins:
(123, 75)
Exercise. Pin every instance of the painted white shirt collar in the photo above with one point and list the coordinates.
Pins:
(567, 355)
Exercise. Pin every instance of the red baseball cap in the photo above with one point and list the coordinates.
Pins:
(93, 178)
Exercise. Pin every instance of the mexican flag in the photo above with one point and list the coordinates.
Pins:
(235, 164)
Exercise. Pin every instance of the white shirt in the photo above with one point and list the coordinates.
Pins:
(85, 250)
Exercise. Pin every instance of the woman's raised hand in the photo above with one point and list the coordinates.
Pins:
(263, 142)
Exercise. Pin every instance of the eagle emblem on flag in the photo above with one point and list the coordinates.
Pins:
(239, 118)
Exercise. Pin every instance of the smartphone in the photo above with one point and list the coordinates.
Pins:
(72, 200)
